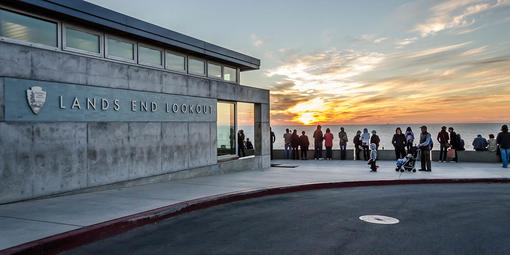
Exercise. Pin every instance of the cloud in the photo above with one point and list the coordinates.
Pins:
(406, 41)
(437, 50)
(380, 40)
(455, 14)
(257, 42)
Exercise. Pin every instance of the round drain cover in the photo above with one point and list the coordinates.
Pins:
(379, 219)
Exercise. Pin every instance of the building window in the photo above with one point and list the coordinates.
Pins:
(229, 74)
(120, 49)
(24, 28)
(246, 129)
(175, 62)
(213, 70)
(196, 66)
(82, 41)
(150, 56)
(226, 136)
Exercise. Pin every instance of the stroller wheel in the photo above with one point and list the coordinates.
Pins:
(396, 169)
(401, 170)
(414, 170)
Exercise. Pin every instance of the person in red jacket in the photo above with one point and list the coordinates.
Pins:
(328, 142)
(443, 137)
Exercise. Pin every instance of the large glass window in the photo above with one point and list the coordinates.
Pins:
(120, 49)
(82, 40)
(29, 29)
(246, 128)
(226, 136)
(196, 66)
(213, 70)
(229, 74)
(150, 56)
(175, 62)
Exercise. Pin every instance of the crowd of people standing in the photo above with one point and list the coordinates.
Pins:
(297, 146)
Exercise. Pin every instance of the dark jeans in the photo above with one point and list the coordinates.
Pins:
(409, 145)
(295, 153)
(318, 150)
(366, 152)
(400, 153)
(425, 160)
(242, 152)
(343, 150)
(329, 152)
(442, 152)
(357, 149)
(373, 165)
(271, 148)
(304, 152)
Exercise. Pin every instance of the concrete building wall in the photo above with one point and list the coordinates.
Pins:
(38, 159)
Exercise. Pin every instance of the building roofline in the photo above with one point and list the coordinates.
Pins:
(95, 14)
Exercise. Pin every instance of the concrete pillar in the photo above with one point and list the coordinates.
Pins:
(262, 134)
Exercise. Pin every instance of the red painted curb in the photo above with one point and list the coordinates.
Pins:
(74, 238)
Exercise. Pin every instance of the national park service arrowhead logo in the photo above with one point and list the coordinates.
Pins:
(36, 98)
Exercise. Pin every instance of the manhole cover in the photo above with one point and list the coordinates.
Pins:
(379, 219)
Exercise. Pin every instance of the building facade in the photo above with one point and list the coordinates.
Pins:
(90, 97)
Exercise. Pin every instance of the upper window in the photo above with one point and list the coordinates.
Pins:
(28, 29)
(229, 74)
(175, 62)
(77, 39)
(150, 56)
(213, 70)
(120, 49)
(196, 66)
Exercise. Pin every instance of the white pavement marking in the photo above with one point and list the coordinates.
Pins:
(379, 219)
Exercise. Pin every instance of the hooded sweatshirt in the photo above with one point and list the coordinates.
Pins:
(373, 151)
(365, 137)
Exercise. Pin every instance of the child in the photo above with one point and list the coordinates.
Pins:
(373, 157)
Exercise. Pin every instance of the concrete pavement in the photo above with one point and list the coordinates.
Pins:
(31, 220)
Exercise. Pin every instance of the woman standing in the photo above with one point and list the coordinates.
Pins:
(365, 142)
(328, 142)
(399, 142)
(409, 138)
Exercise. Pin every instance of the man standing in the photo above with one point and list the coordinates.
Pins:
(442, 138)
(288, 148)
(273, 139)
(343, 143)
(304, 143)
(357, 145)
(375, 139)
(425, 142)
(318, 137)
(503, 140)
(240, 143)
(454, 142)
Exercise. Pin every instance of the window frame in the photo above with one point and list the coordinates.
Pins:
(148, 46)
(86, 30)
(204, 74)
(135, 49)
(35, 16)
(178, 54)
(236, 150)
(217, 64)
(223, 74)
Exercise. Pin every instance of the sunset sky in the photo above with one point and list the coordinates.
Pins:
(358, 62)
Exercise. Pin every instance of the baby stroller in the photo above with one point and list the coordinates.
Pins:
(407, 163)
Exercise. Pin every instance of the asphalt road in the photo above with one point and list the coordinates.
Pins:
(434, 219)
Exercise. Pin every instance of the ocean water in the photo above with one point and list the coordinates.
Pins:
(468, 132)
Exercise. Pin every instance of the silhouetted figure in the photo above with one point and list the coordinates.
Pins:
(454, 142)
(342, 135)
(318, 138)
(249, 145)
(357, 145)
(240, 143)
(399, 143)
(273, 140)
(294, 142)
(375, 139)
(503, 141)
(328, 142)
(304, 144)
(443, 138)
(288, 147)
(480, 143)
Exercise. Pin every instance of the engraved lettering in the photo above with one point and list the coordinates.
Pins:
(116, 105)
(61, 102)
(154, 106)
(76, 104)
(91, 103)
(104, 104)
(184, 108)
(133, 106)
(199, 108)
(167, 107)
(190, 108)
(143, 106)
(175, 108)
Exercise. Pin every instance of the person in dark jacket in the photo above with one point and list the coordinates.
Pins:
(240, 143)
(249, 145)
(318, 137)
(480, 143)
(409, 139)
(399, 143)
(454, 142)
(425, 143)
(304, 143)
(342, 136)
(273, 139)
(443, 138)
(503, 140)
(357, 144)
(294, 143)
(375, 139)
(461, 143)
